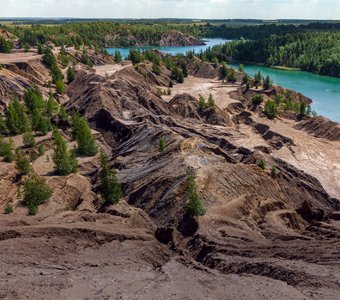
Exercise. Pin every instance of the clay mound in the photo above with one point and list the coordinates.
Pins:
(97, 59)
(34, 70)
(11, 86)
(159, 80)
(201, 69)
(176, 38)
(296, 97)
(7, 35)
(321, 127)
(186, 106)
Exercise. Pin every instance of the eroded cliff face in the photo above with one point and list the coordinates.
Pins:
(263, 234)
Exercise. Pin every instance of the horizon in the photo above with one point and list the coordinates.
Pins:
(180, 9)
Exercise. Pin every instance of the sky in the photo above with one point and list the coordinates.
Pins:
(200, 9)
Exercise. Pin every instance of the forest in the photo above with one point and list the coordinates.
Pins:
(317, 52)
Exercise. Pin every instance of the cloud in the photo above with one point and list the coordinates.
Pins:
(262, 9)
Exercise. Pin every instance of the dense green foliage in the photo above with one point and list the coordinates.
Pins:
(257, 99)
(161, 144)
(194, 207)
(5, 46)
(85, 140)
(317, 52)
(109, 187)
(35, 191)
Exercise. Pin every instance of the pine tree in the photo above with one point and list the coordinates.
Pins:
(180, 77)
(16, 118)
(64, 160)
(109, 187)
(202, 103)
(70, 74)
(85, 140)
(211, 102)
(6, 150)
(118, 57)
(194, 207)
(34, 192)
(161, 145)
(28, 139)
(51, 106)
(22, 163)
(267, 83)
(60, 87)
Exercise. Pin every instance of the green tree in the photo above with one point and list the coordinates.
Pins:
(85, 140)
(64, 160)
(26, 47)
(34, 99)
(109, 186)
(60, 87)
(5, 46)
(241, 68)
(270, 109)
(303, 109)
(51, 106)
(180, 77)
(34, 192)
(194, 207)
(161, 144)
(63, 116)
(6, 150)
(267, 84)
(257, 99)
(156, 69)
(211, 102)
(202, 104)
(245, 79)
(22, 163)
(118, 57)
(16, 118)
(274, 171)
(28, 139)
(70, 74)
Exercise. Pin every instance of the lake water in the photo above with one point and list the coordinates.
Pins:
(171, 50)
(323, 90)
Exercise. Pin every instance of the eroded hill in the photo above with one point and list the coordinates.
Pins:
(264, 234)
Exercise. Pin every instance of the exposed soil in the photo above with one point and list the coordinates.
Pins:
(263, 236)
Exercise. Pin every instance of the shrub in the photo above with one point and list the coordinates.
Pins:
(63, 116)
(161, 145)
(51, 106)
(262, 164)
(109, 187)
(194, 207)
(22, 163)
(41, 149)
(8, 209)
(270, 109)
(28, 139)
(274, 171)
(180, 76)
(34, 192)
(156, 69)
(257, 99)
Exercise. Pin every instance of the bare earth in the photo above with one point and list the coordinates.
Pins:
(262, 236)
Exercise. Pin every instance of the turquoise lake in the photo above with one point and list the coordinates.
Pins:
(323, 90)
